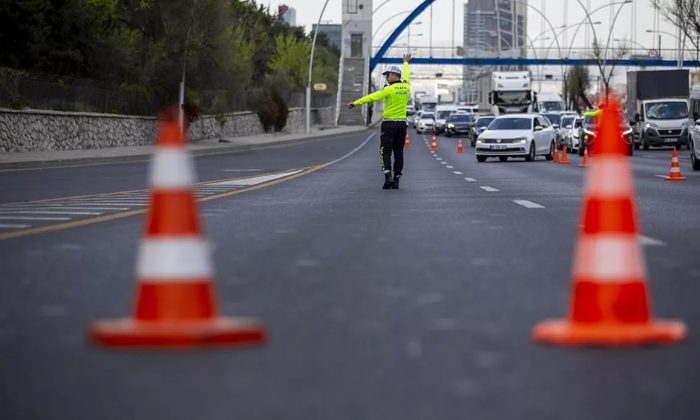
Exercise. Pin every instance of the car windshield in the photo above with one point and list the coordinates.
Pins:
(442, 115)
(667, 110)
(427, 115)
(460, 117)
(567, 121)
(484, 122)
(551, 106)
(591, 120)
(511, 124)
(553, 118)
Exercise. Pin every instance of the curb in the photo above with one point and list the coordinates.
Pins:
(214, 150)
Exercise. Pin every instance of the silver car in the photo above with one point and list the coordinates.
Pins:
(426, 122)
(517, 135)
(694, 145)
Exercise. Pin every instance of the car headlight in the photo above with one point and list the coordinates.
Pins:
(588, 133)
(520, 140)
(450, 126)
(479, 140)
(650, 125)
(627, 132)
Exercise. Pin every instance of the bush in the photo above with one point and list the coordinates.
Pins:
(267, 109)
(282, 110)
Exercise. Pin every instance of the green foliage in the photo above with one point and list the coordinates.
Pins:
(139, 48)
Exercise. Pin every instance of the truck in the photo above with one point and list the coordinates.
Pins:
(426, 103)
(506, 92)
(657, 107)
(549, 102)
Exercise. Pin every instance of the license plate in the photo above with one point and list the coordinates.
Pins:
(498, 146)
(670, 140)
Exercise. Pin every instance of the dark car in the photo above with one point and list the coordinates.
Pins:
(479, 124)
(589, 133)
(458, 123)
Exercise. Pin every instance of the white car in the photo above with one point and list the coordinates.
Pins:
(694, 146)
(426, 122)
(516, 135)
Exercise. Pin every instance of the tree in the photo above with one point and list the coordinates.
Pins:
(684, 14)
(606, 70)
(578, 84)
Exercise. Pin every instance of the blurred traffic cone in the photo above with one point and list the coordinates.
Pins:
(407, 143)
(460, 148)
(433, 143)
(175, 303)
(675, 174)
(610, 302)
(556, 153)
(564, 157)
(585, 163)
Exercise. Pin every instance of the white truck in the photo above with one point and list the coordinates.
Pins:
(426, 103)
(657, 106)
(506, 92)
(549, 102)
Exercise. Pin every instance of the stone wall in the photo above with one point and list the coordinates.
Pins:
(35, 130)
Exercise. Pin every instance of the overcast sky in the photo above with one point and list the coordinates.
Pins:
(308, 13)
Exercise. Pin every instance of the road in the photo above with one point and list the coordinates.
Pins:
(403, 304)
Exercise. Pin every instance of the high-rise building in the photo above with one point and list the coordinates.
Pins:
(492, 28)
(287, 14)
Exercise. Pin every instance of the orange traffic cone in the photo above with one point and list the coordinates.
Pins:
(564, 157)
(610, 303)
(460, 148)
(433, 143)
(556, 153)
(175, 303)
(585, 163)
(675, 174)
(407, 143)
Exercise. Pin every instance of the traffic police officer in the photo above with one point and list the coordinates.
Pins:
(393, 134)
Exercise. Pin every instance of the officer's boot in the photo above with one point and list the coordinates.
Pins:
(388, 182)
(395, 185)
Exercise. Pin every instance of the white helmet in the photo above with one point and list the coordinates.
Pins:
(392, 69)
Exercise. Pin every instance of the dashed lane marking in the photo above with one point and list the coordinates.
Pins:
(32, 218)
(470, 179)
(645, 240)
(13, 226)
(489, 189)
(457, 172)
(449, 167)
(444, 163)
(528, 204)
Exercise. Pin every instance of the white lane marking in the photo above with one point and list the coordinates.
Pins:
(661, 176)
(470, 179)
(528, 204)
(444, 163)
(645, 240)
(353, 151)
(437, 158)
(457, 172)
(74, 213)
(59, 207)
(111, 203)
(9, 226)
(449, 167)
(487, 188)
(32, 218)
(256, 179)
(242, 170)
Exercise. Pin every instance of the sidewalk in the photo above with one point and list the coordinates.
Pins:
(19, 160)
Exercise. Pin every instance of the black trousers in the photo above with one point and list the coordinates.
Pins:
(392, 140)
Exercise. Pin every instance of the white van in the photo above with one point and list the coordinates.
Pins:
(549, 102)
(442, 112)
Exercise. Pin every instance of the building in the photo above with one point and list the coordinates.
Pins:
(287, 14)
(333, 32)
(492, 28)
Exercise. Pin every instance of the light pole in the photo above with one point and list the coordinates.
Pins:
(376, 31)
(409, 34)
(311, 66)
(680, 49)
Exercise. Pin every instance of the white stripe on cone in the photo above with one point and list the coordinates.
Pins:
(675, 169)
(171, 168)
(609, 258)
(610, 177)
(174, 259)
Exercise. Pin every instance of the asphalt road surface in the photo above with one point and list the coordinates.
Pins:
(415, 303)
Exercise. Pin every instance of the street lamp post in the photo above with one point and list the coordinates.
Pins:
(680, 49)
(311, 66)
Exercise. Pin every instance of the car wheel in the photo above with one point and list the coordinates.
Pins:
(550, 155)
(481, 158)
(531, 155)
(503, 158)
(694, 160)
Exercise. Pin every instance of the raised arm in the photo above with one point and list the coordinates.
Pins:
(405, 75)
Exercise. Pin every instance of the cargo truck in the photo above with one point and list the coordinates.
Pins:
(657, 107)
(506, 92)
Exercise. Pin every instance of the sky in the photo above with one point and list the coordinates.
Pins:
(624, 28)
